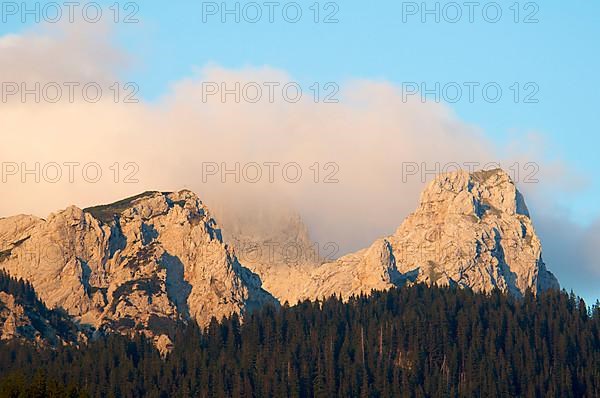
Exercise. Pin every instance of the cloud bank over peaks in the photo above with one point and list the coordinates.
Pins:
(348, 168)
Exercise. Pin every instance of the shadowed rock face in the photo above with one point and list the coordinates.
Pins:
(470, 230)
(143, 264)
(29, 322)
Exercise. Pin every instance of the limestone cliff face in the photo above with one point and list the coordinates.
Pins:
(470, 230)
(140, 264)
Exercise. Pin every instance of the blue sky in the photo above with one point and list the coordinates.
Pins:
(558, 54)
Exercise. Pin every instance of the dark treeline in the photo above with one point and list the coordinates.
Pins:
(22, 290)
(409, 342)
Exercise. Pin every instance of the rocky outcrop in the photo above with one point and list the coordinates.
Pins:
(142, 264)
(470, 230)
(31, 322)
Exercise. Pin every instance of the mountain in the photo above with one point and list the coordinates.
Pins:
(150, 262)
(141, 264)
(471, 230)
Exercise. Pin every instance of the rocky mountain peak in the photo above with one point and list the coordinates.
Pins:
(143, 263)
(481, 193)
(471, 230)
(148, 205)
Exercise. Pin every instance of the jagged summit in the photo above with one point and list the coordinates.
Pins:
(107, 212)
(143, 263)
(482, 193)
(471, 230)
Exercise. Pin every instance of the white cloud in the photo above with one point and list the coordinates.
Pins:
(369, 135)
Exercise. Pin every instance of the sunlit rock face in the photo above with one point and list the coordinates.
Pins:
(471, 230)
(141, 264)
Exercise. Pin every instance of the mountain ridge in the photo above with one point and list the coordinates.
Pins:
(147, 262)
(471, 230)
